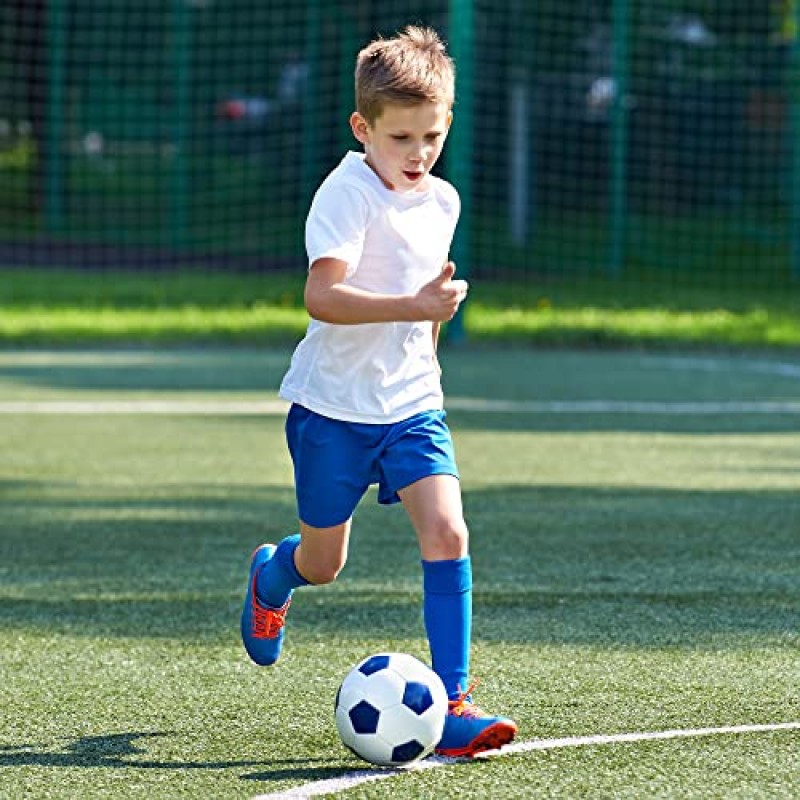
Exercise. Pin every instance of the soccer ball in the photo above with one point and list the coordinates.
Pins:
(390, 709)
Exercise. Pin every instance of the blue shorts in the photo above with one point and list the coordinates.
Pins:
(335, 462)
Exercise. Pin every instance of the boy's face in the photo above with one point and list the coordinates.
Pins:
(404, 142)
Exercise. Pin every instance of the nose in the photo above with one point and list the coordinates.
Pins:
(419, 154)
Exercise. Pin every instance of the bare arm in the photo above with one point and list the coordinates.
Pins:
(329, 299)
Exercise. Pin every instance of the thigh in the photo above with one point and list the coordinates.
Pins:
(416, 448)
(435, 509)
(332, 466)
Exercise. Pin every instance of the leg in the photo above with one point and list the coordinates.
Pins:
(316, 556)
(434, 506)
(322, 552)
(332, 472)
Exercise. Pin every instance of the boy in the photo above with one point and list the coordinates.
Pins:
(364, 382)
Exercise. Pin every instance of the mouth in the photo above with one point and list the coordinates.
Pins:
(412, 175)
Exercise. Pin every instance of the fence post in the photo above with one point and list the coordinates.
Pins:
(619, 135)
(794, 133)
(520, 156)
(181, 77)
(459, 153)
(52, 141)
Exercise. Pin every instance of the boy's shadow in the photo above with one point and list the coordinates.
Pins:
(113, 750)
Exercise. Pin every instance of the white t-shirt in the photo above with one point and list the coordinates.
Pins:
(393, 243)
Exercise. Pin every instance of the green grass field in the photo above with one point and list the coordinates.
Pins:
(635, 521)
(635, 537)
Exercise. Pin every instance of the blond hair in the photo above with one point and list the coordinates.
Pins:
(411, 68)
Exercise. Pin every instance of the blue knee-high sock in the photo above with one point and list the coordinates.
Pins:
(447, 607)
(279, 575)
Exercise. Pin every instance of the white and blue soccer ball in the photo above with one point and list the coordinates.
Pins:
(390, 709)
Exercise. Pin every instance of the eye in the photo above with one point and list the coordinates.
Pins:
(432, 137)
(399, 137)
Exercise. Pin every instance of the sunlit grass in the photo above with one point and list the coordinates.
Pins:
(68, 307)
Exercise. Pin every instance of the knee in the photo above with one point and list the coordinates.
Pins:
(446, 538)
(322, 573)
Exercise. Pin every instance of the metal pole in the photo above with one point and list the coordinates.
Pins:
(619, 136)
(459, 154)
(794, 123)
(519, 159)
(521, 140)
(56, 107)
(181, 65)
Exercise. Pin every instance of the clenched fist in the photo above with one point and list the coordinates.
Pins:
(439, 300)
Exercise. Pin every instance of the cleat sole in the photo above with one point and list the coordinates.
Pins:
(492, 738)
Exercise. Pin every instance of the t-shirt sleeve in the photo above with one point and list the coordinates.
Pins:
(336, 225)
(451, 201)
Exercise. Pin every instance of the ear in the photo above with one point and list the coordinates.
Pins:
(360, 127)
(447, 124)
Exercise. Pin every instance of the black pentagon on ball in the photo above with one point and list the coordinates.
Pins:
(404, 753)
(364, 717)
(374, 664)
(417, 697)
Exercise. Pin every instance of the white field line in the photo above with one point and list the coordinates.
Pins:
(46, 358)
(473, 404)
(136, 407)
(656, 408)
(353, 779)
(781, 368)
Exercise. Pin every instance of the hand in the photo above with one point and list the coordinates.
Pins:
(439, 300)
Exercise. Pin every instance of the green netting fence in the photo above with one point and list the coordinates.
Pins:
(607, 140)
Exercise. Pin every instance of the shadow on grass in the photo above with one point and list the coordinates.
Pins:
(114, 750)
(627, 566)
(125, 751)
(303, 772)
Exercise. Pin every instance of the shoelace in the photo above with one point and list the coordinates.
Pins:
(267, 622)
(463, 706)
